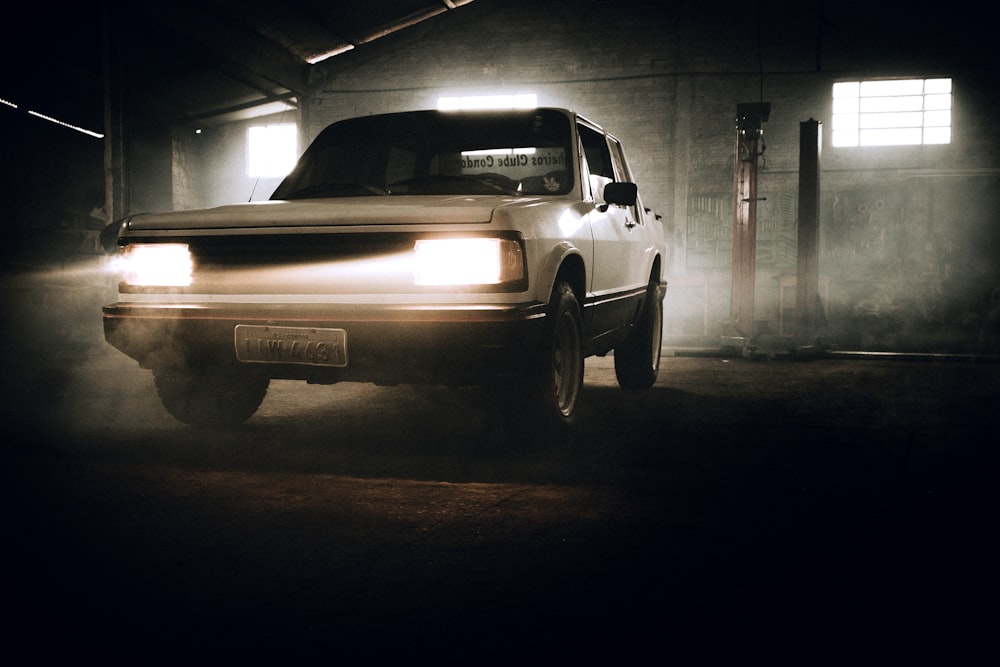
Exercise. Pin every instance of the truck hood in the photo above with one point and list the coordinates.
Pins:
(339, 212)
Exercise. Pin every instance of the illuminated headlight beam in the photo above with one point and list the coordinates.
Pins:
(467, 261)
(431, 263)
(156, 264)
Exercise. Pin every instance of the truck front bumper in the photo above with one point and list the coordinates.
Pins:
(386, 344)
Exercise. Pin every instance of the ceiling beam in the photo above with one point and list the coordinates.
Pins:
(238, 49)
(377, 32)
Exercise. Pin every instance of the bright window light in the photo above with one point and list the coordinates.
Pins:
(271, 150)
(501, 151)
(896, 112)
(473, 102)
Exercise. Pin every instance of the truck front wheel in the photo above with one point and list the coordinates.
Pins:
(542, 399)
(210, 397)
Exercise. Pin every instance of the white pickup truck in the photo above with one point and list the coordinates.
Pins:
(431, 247)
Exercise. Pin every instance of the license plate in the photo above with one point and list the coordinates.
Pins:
(291, 345)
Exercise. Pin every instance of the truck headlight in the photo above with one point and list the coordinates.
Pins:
(467, 261)
(156, 264)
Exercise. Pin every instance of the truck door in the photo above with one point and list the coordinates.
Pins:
(618, 251)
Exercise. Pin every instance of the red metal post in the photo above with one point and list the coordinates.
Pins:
(749, 130)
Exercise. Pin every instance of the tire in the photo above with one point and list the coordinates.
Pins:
(210, 398)
(546, 397)
(637, 359)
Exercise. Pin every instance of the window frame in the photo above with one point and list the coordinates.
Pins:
(914, 111)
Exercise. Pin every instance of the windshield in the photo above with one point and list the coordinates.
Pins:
(437, 153)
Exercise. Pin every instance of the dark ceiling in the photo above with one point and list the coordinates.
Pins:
(182, 62)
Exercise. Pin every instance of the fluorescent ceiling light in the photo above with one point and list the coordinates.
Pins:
(502, 101)
(320, 57)
(97, 135)
(36, 114)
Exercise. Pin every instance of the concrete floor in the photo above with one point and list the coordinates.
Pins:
(796, 511)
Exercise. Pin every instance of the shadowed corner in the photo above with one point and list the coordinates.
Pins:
(51, 329)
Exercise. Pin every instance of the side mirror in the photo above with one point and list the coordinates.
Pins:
(621, 194)
(109, 235)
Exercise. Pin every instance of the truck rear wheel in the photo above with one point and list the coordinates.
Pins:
(211, 397)
(637, 359)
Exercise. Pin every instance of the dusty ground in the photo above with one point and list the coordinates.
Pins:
(796, 511)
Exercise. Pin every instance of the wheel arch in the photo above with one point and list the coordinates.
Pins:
(656, 270)
(573, 271)
(568, 264)
(656, 275)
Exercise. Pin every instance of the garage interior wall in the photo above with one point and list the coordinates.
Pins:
(210, 164)
(909, 239)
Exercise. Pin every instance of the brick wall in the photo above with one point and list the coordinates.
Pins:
(908, 235)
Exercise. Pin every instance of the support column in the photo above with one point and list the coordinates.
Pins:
(116, 203)
(807, 275)
(750, 119)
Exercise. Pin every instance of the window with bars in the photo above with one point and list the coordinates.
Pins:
(892, 112)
